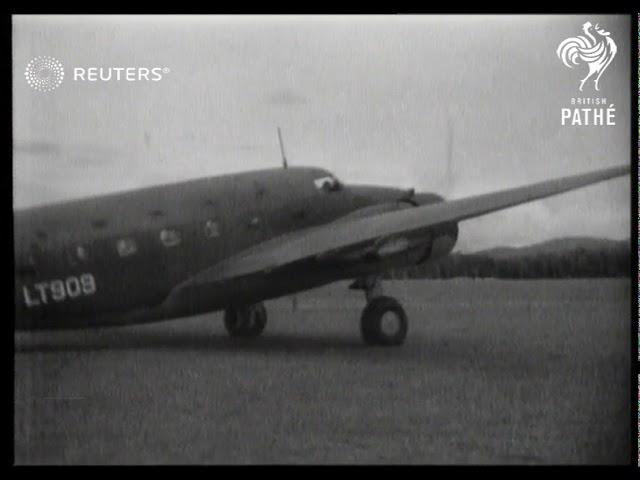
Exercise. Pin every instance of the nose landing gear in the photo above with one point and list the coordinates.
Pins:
(383, 320)
(245, 321)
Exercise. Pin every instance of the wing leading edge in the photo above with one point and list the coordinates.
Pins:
(316, 242)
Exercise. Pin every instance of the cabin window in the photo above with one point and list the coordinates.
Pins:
(170, 238)
(328, 183)
(211, 229)
(126, 247)
(26, 264)
(81, 253)
(75, 255)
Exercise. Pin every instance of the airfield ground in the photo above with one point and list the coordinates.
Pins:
(492, 372)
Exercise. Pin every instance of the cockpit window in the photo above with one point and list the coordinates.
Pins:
(328, 183)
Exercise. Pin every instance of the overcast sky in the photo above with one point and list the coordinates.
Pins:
(378, 100)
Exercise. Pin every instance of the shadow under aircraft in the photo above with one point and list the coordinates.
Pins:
(231, 242)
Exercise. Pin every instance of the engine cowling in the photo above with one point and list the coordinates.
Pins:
(405, 249)
(444, 236)
(444, 239)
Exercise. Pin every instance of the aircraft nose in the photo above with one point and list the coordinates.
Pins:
(364, 195)
(427, 198)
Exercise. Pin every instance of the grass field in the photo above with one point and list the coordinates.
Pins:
(492, 372)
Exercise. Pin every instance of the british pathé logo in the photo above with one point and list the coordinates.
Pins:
(596, 49)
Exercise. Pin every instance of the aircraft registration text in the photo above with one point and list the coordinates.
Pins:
(58, 290)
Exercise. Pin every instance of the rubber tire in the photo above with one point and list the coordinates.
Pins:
(245, 322)
(370, 322)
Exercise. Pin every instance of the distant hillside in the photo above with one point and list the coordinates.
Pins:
(570, 257)
(556, 245)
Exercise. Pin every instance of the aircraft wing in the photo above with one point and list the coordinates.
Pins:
(332, 239)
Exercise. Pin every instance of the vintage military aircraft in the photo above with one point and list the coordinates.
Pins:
(231, 242)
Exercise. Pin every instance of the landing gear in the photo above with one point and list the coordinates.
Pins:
(246, 321)
(383, 321)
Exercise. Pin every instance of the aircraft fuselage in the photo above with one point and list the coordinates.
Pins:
(113, 259)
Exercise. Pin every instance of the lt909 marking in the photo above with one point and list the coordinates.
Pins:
(59, 290)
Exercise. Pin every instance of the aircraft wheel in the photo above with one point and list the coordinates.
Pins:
(247, 321)
(384, 322)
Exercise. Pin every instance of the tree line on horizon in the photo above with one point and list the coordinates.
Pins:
(579, 262)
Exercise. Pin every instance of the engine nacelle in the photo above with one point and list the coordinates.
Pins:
(402, 250)
(444, 239)
(417, 247)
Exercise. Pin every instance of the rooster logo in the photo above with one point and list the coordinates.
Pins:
(598, 54)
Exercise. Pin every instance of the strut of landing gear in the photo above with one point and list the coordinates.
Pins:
(245, 321)
(383, 320)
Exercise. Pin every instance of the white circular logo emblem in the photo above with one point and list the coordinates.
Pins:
(44, 73)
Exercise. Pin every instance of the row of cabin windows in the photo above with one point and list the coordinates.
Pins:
(127, 246)
(171, 238)
(168, 237)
